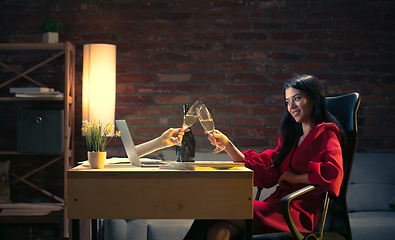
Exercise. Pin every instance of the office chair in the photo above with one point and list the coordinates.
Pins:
(334, 222)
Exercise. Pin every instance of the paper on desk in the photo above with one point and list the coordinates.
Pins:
(119, 160)
(177, 166)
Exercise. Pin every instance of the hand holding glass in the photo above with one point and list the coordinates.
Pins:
(208, 124)
(191, 116)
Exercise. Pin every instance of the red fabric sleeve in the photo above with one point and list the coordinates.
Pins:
(264, 176)
(326, 166)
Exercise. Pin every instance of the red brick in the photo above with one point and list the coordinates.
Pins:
(233, 25)
(364, 36)
(211, 36)
(194, 26)
(82, 27)
(100, 17)
(278, 56)
(281, 77)
(127, 99)
(270, 88)
(371, 121)
(248, 77)
(171, 99)
(307, 67)
(176, 78)
(125, 110)
(155, 89)
(379, 132)
(347, 26)
(174, 16)
(126, 67)
(272, 67)
(137, 15)
(325, 36)
(386, 27)
(274, 121)
(381, 89)
(121, 88)
(250, 36)
(359, 57)
(12, 28)
(259, 132)
(286, 15)
(269, 45)
(233, 110)
(154, 46)
(19, 7)
(342, 5)
(390, 100)
(247, 99)
(234, 66)
(379, 47)
(211, 56)
(257, 56)
(220, 77)
(154, 110)
(136, 36)
(157, 67)
(362, 15)
(151, 131)
(230, 47)
(276, 99)
(307, 46)
(211, 98)
(125, 47)
(193, 5)
(196, 66)
(193, 88)
(264, 110)
(82, 6)
(311, 26)
(100, 37)
(231, 88)
(346, 67)
(287, 36)
(134, 78)
(194, 46)
(139, 121)
(330, 78)
(155, 5)
(268, 4)
(248, 122)
(248, 15)
(173, 57)
(175, 36)
(156, 26)
(133, 57)
(337, 90)
(389, 16)
(387, 56)
(229, 4)
(213, 15)
(25, 18)
(361, 79)
(322, 57)
(325, 15)
(33, 7)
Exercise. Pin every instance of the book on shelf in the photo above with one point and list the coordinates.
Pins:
(30, 89)
(55, 94)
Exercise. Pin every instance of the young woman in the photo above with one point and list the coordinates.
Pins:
(308, 152)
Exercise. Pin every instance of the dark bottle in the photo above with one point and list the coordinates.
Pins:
(186, 152)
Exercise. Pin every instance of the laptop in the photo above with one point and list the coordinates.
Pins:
(131, 149)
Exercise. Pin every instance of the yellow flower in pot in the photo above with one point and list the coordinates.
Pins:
(97, 138)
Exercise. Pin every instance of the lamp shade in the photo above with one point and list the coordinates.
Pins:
(99, 83)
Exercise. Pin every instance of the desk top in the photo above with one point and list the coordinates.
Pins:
(130, 171)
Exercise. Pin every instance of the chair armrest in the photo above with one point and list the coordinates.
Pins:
(284, 207)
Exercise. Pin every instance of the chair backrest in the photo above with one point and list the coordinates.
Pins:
(344, 108)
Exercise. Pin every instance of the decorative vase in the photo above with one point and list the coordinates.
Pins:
(51, 37)
(97, 159)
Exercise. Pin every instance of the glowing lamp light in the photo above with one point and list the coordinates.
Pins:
(99, 83)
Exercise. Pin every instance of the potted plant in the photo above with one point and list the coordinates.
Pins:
(50, 28)
(97, 138)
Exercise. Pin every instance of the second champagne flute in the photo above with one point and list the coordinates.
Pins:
(208, 124)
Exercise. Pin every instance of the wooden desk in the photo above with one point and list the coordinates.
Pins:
(123, 191)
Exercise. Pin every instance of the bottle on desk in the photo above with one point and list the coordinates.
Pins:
(186, 152)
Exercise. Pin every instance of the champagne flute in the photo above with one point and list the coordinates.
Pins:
(208, 124)
(191, 116)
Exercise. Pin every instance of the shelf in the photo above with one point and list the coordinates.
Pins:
(13, 152)
(14, 99)
(32, 46)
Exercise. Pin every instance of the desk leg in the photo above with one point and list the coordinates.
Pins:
(94, 229)
(75, 228)
(249, 230)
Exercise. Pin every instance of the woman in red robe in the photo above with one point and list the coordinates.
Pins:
(308, 152)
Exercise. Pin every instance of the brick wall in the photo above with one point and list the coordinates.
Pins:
(232, 55)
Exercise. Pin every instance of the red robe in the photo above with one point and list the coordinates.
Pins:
(320, 156)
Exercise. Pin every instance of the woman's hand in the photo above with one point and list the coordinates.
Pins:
(217, 138)
(293, 178)
(172, 136)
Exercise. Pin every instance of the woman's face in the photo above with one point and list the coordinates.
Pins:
(299, 105)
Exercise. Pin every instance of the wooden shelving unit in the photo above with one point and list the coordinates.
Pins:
(68, 51)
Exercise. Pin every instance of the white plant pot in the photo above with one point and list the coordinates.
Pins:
(51, 37)
(97, 160)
